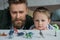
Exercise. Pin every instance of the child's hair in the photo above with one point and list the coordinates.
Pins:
(42, 10)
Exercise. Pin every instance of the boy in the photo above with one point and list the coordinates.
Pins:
(41, 17)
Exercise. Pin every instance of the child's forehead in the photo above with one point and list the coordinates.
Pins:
(40, 13)
(41, 16)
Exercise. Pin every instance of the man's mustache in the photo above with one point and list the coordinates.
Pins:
(19, 20)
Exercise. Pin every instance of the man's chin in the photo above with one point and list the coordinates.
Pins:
(18, 26)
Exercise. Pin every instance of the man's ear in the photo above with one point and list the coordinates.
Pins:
(27, 10)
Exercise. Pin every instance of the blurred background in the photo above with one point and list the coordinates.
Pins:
(33, 4)
(52, 5)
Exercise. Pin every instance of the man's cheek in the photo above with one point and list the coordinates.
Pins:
(13, 20)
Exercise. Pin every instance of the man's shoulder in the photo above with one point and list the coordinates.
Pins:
(29, 21)
(4, 19)
(29, 18)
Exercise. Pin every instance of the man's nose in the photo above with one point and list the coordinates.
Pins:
(18, 16)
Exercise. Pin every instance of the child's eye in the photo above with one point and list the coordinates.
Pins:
(43, 20)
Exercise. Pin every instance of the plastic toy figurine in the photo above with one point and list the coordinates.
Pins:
(20, 34)
(29, 35)
(16, 31)
(3, 34)
(11, 33)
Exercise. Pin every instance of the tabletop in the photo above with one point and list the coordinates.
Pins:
(46, 35)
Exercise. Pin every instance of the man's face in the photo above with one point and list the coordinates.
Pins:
(18, 14)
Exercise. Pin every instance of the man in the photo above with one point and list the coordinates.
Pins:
(18, 11)
(19, 18)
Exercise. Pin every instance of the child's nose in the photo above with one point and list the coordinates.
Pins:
(40, 23)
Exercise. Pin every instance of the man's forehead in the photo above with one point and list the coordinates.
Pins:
(18, 6)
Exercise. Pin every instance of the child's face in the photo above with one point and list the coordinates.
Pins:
(41, 21)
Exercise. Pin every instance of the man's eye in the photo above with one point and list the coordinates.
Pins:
(14, 12)
(36, 20)
(21, 11)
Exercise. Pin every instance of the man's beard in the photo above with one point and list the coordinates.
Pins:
(18, 23)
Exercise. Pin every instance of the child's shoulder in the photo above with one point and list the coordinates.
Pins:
(50, 27)
(32, 27)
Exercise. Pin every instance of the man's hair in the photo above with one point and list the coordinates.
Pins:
(17, 2)
(42, 10)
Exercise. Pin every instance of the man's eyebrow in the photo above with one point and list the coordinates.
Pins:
(14, 11)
